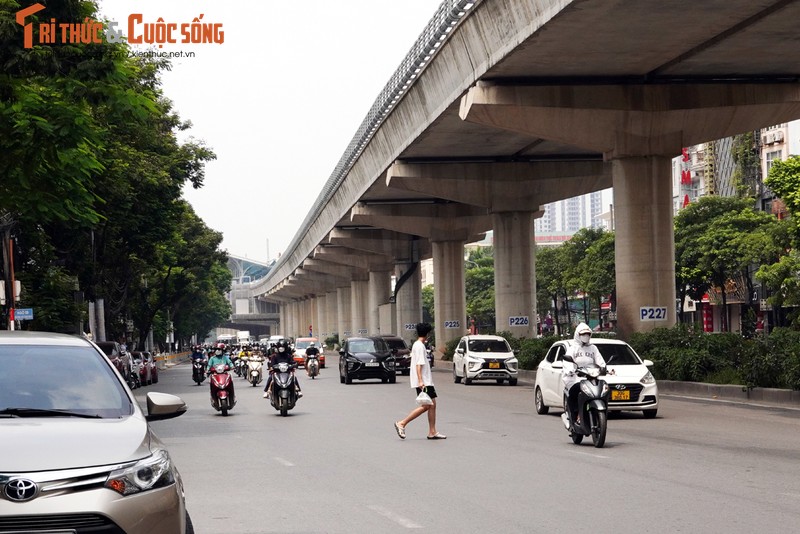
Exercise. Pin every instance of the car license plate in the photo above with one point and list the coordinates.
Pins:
(620, 395)
(371, 364)
(494, 365)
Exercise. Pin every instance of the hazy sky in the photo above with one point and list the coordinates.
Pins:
(278, 100)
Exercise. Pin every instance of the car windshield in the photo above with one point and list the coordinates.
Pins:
(615, 354)
(366, 345)
(70, 379)
(398, 344)
(488, 345)
(302, 344)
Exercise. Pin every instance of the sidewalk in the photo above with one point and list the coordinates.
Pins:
(767, 397)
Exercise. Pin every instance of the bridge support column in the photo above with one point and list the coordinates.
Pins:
(331, 315)
(450, 301)
(645, 241)
(408, 303)
(380, 286)
(343, 313)
(359, 299)
(320, 322)
(514, 273)
(283, 317)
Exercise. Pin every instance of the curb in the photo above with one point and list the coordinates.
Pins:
(771, 397)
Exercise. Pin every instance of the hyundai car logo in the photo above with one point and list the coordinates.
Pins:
(20, 489)
(620, 386)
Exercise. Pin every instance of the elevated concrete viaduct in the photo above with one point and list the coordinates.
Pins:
(504, 105)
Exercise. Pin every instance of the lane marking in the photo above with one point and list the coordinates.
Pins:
(590, 454)
(283, 461)
(400, 520)
(475, 430)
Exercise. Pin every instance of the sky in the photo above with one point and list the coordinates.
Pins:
(278, 100)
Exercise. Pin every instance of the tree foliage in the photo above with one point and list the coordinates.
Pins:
(479, 287)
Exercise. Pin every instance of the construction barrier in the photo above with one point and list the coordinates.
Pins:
(163, 360)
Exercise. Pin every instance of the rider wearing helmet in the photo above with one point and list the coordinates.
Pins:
(583, 353)
(311, 351)
(282, 353)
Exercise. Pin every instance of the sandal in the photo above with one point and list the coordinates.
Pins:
(437, 436)
(401, 431)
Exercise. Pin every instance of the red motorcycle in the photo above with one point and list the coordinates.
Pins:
(222, 395)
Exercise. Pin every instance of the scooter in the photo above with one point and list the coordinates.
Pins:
(592, 406)
(255, 373)
(239, 365)
(199, 370)
(282, 392)
(222, 395)
(312, 365)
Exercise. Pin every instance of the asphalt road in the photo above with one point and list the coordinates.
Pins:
(336, 465)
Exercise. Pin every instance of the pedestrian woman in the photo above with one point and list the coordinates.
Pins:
(421, 380)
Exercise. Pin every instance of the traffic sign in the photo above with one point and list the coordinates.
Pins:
(23, 314)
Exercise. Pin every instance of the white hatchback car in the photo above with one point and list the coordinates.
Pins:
(482, 357)
(630, 382)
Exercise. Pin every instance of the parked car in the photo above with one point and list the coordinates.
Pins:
(631, 384)
(300, 346)
(77, 453)
(366, 357)
(484, 357)
(120, 358)
(402, 353)
(148, 370)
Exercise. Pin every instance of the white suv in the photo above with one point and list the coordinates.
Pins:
(484, 358)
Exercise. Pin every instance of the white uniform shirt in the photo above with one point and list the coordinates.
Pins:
(419, 356)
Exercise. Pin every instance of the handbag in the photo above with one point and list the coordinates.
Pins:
(423, 399)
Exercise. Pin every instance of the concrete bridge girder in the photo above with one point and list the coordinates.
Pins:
(345, 273)
(438, 222)
(501, 186)
(353, 257)
(400, 247)
(632, 120)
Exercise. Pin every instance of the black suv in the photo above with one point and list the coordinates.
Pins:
(366, 357)
(121, 359)
(402, 353)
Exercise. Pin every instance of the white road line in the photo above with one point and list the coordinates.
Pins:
(475, 430)
(400, 520)
(589, 454)
(283, 461)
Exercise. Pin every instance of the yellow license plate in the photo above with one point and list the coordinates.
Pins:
(620, 395)
(494, 365)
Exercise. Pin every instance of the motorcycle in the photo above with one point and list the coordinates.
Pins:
(222, 396)
(312, 365)
(592, 406)
(255, 373)
(282, 392)
(239, 365)
(199, 370)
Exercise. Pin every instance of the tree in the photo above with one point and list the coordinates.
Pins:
(479, 287)
(427, 304)
(597, 269)
(550, 286)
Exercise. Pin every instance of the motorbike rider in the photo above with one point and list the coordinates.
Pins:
(311, 351)
(282, 354)
(584, 353)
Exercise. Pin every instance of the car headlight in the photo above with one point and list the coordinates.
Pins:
(152, 472)
(648, 378)
(389, 363)
(512, 363)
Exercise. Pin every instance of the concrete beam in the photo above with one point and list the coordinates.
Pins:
(502, 187)
(632, 120)
(353, 257)
(400, 247)
(343, 272)
(438, 222)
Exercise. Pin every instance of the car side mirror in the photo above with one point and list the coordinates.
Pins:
(568, 358)
(515, 352)
(648, 363)
(341, 352)
(460, 350)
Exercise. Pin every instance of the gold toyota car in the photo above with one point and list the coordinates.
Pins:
(76, 452)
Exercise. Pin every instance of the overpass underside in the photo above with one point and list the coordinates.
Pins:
(524, 103)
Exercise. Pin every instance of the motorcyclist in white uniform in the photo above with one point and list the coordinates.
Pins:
(583, 353)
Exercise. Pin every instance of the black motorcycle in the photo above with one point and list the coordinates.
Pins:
(592, 406)
(282, 389)
(199, 370)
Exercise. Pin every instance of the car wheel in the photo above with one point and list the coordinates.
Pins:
(650, 414)
(467, 379)
(456, 378)
(341, 378)
(348, 379)
(155, 380)
(500, 381)
(384, 380)
(392, 379)
(538, 400)
(189, 525)
(512, 381)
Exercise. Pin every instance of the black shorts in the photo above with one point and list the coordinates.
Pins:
(430, 390)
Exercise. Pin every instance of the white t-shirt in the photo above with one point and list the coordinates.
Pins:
(419, 356)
